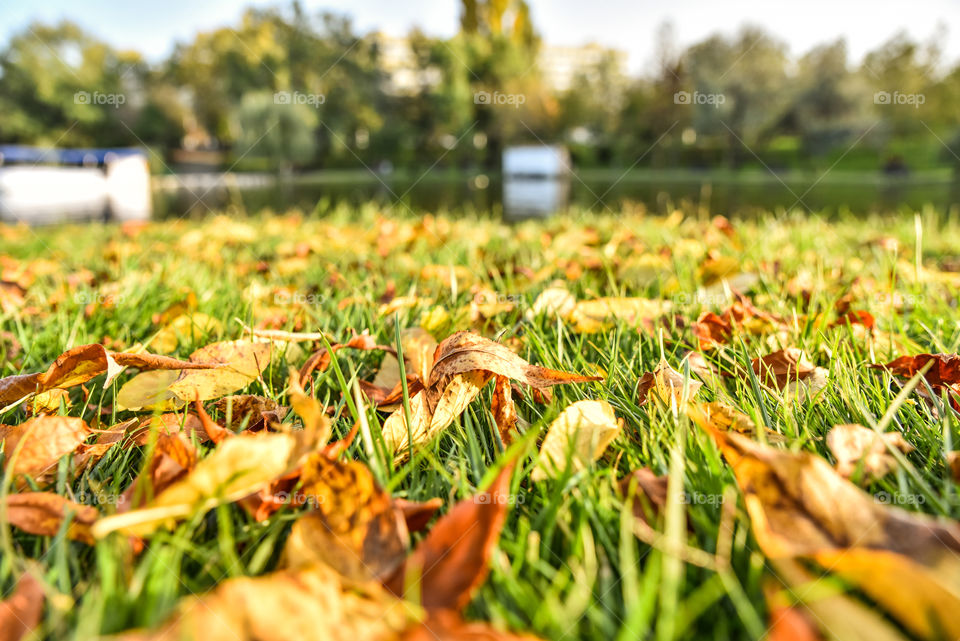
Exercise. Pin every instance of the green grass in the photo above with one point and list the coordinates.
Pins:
(568, 564)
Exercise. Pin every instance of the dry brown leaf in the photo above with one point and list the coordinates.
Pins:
(256, 412)
(35, 446)
(427, 423)
(172, 459)
(240, 466)
(800, 507)
(580, 435)
(449, 626)
(79, 365)
(239, 363)
(43, 513)
(23, 611)
(453, 560)
(466, 352)
(305, 604)
(669, 385)
(354, 527)
(851, 444)
(592, 316)
(647, 491)
(503, 409)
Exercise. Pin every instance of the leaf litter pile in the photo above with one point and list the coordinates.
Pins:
(373, 427)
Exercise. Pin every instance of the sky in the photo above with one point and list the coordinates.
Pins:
(153, 27)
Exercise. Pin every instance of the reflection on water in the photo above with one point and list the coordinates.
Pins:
(534, 197)
(525, 198)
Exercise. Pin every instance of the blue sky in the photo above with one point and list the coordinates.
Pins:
(152, 27)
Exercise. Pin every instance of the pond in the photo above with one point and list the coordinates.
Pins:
(729, 194)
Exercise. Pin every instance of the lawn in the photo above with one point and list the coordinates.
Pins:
(732, 532)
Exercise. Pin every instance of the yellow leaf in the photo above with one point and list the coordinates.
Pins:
(239, 467)
(583, 430)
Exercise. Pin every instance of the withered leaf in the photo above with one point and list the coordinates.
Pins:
(504, 410)
(35, 446)
(43, 513)
(465, 352)
(852, 444)
(453, 560)
(240, 466)
(285, 606)
(353, 526)
(426, 423)
(21, 612)
(669, 385)
(581, 433)
(80, 364)
(239, 363)
(173, 457)
(801, 507)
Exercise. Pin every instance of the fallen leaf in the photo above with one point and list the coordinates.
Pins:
(850, 444)
(466, 352)
(647, 491)
(79, 365)
(503, 409)
(240, 363)
(284, 606)
(171, 460)
(669, 385)
(255, 412)
(800, 507)
(592, 316)
(35, 446)
(149, 390)
(43, 513)
(425, 423)
(240, 466)
(453, 560)
(580, 434)
(23, 611)
(353, 526)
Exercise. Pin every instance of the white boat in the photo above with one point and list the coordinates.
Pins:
(43, 186)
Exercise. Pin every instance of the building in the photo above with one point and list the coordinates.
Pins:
(560, 66)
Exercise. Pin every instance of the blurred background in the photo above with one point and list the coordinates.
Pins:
(520, 107)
